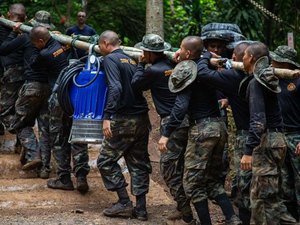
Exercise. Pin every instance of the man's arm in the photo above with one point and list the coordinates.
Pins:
(257, 122)
(177, 115)
(224, 80)
(114, 86)
(12, 43)
(142, 78)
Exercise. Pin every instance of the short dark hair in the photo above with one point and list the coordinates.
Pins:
(194, 44)
(239, 50)
(258, 50)
(18, 11)
(40, 32)
(111, 37)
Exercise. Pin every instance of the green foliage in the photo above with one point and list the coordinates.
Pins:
(182, 17)
(185, 17)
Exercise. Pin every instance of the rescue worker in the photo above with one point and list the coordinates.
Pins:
(155, 78)
(207, 135)
(285, 57)
(12, 80)
(228, 81)
(53, 55)
(126, 127)
(265, 147)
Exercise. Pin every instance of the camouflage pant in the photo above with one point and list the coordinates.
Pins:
(291, 175)
(243, 177)
(11, 82)
(172, 164)
(203, 157)
(31, 102)
(130, 140)
(268, 158)
(60, 127)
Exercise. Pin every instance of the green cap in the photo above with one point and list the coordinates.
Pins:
(285, 54)
(42, 18)
(153, 43)
(183, 75)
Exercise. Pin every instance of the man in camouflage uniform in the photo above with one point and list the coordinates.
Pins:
(13, 79)
(285, 57)
(207, 133)
(265, 147)
(52, 58)
(228, 81)
(126, 129)
(155, 78)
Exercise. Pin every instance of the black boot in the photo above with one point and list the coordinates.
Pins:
(203, 212)
(139, 212)
(82, 184)
(63, 182)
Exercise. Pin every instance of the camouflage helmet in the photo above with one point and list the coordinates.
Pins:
(264, 74)
(228, 32)
(153, 43)
(42, 18)
(285, 54)
(183, 75)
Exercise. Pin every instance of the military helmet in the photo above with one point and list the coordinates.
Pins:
(153, 43)
(285, 54)
(228, 32)
(42, 18)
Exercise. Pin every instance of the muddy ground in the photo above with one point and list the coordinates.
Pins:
(25, 199)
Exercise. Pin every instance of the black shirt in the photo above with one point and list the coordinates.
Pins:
(289, 100)
(121, 99)
(48, 62)
(228, 82)
(10, 57)
(198, 99)
(156, 79)
(264, 113)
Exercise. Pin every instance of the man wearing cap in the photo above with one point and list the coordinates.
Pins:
(81, 29)
(155, 78)
(126, 127)
(285, 57)
(13, 79)
(265, 147)
(207, 133)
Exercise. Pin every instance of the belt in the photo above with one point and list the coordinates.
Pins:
(209, 119)
(275, 130)
(242, 132)
(127, 116)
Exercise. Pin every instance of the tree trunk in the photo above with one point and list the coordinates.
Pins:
(84, 5)
(268, 4)
(155, 17)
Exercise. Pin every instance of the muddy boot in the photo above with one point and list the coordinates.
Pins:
(64, 183)
(82, 185)
(44, 173)
(140, 214)
(234, 220)
(175, 215)
(32, 164)
(119, 209)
